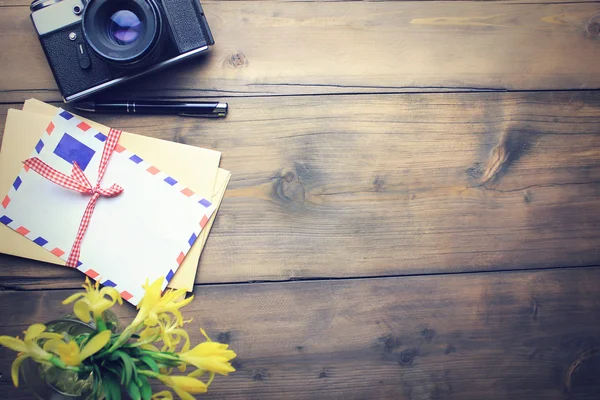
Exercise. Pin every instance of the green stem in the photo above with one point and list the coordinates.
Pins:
(142, 342)
(100, 324)
(163, 355)
(145, 372)
(123, 338)
(57, 362)
(101, 354)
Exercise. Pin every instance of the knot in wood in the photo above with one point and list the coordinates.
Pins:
(580, 377)
(289, 189)
(237, 60)
(593, 27)
(260, 374)
(407, 356)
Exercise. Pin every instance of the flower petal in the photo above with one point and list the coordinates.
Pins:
(87, 284)
(149, 332)
(100, 305)
(211, 377)
(69, 353)
(188, 384)
(178, 316)
(153, 292)
(35, 351)
(197, 373)
(206, 349)
(183, 334)
(14, 370)
(50, 335)
(33, 331)
(151, 320)
(52, 345)
(112, 293)
(183, 395)
(168, 343)
(170, 295)
(203, 332)
(150, 347)
(13, 343)
(72, 298)
(164, 395)
(214, 364)
(183, 303)
(95, 344)
(82, 310)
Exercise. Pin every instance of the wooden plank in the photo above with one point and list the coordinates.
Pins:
(350, 186)
(13, 3)
(521, 335)
(271, 48)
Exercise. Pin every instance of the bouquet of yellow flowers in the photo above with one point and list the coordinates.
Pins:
(128, 360)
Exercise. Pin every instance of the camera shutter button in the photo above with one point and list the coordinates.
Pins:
(83, 55)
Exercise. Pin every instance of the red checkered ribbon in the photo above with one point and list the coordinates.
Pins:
(78, 182)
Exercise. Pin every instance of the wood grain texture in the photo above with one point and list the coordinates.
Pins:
(514, 335)
(13, 3)
(362, 185)
(272, 48)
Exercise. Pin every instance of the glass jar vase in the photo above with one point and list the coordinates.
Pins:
(48, 382)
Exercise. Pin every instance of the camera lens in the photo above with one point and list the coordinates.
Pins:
(122, 31)
(124, 27)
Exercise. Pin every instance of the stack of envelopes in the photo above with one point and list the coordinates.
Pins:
(155, 228)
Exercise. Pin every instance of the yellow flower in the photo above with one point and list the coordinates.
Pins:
(169, 331)
(94, 301)
(164, 395)
(153, 304)
(28, 347)
(198, 373)
(70, 354)
(210, 356)
(150, 334)
(184, 386)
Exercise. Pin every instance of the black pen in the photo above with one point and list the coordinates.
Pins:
(191, 109)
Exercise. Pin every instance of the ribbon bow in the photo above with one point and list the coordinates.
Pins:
(78, 182)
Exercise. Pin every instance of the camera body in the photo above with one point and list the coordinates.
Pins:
(94, 44)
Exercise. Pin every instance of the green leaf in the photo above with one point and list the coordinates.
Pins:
(97, 382)
(83, 374)
(114, 356)
(134, 391)
(112, 389)
(80, 338)
(128, 365)
(134, 352)
(111, 325)
(135, 376)
(149, 361)
(145, 388)
(114, 368)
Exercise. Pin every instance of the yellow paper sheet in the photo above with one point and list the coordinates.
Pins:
(23, 130)
(185, 278)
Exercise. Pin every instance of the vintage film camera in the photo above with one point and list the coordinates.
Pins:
(94, 44)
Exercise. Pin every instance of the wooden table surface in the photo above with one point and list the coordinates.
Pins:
(414, 206)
